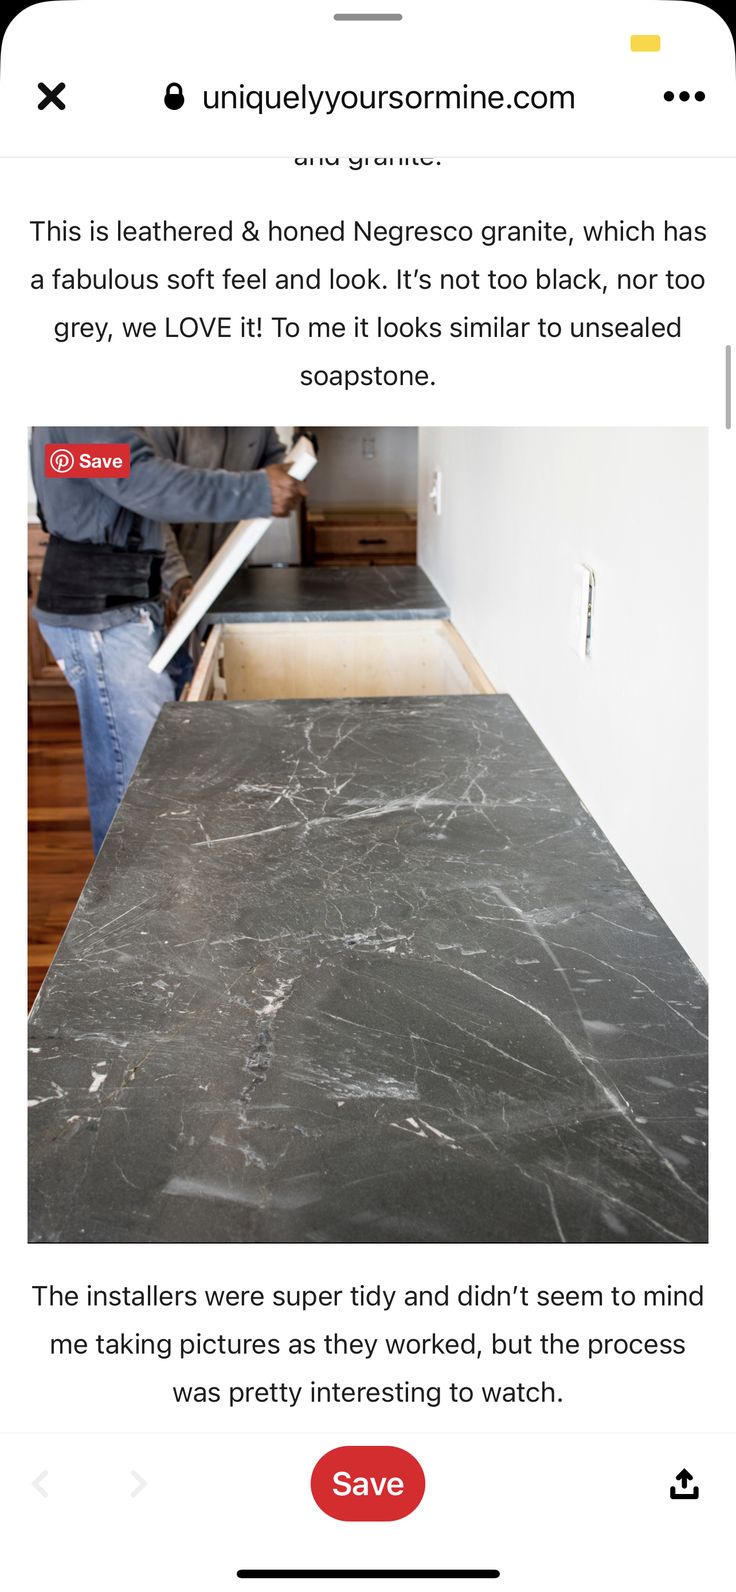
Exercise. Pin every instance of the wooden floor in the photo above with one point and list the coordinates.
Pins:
(59, 842)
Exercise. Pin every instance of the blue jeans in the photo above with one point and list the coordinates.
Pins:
(119, 699)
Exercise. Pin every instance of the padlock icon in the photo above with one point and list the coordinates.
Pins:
(174, 97)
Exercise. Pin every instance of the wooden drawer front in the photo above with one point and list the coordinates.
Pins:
(365, 541)
(351, 658)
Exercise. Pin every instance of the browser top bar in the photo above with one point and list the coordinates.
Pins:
(248, 85)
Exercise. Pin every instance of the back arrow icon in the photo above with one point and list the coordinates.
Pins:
(37, 1483)
(141, 1483)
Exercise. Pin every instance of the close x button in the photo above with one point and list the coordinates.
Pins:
(368, 1483)
(51, 96)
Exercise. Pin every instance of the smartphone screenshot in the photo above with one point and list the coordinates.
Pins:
(367, 455)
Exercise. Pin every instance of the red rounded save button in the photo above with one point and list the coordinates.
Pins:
(369, 1483)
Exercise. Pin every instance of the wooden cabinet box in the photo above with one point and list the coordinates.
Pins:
(352, 658)
(360, 536)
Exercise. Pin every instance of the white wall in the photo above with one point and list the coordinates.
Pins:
(627, 725)
(346, 478)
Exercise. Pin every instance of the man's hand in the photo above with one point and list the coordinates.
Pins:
(175, 599)
(285, 491)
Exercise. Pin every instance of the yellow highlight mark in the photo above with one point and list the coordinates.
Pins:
(645, 41)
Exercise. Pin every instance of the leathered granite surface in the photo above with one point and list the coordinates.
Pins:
(364, 971)
(306, 593)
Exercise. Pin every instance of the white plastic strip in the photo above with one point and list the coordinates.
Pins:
(224, 565)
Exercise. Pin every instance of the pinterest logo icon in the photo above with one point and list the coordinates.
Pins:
(61, 461)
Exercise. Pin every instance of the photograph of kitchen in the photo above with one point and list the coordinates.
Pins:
(367, 836)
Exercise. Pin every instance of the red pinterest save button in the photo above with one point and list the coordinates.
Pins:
(76, 461)
(368, 1483)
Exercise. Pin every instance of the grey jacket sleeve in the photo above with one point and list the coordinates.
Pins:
(158, 489)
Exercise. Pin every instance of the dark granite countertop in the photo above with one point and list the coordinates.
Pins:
(364, 971)
(307, 593)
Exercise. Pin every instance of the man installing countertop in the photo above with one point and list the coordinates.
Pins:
(191, 546)
(212, 448)
(99, 604)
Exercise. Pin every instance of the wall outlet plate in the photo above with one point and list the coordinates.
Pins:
(435, 492)
(582, 610)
